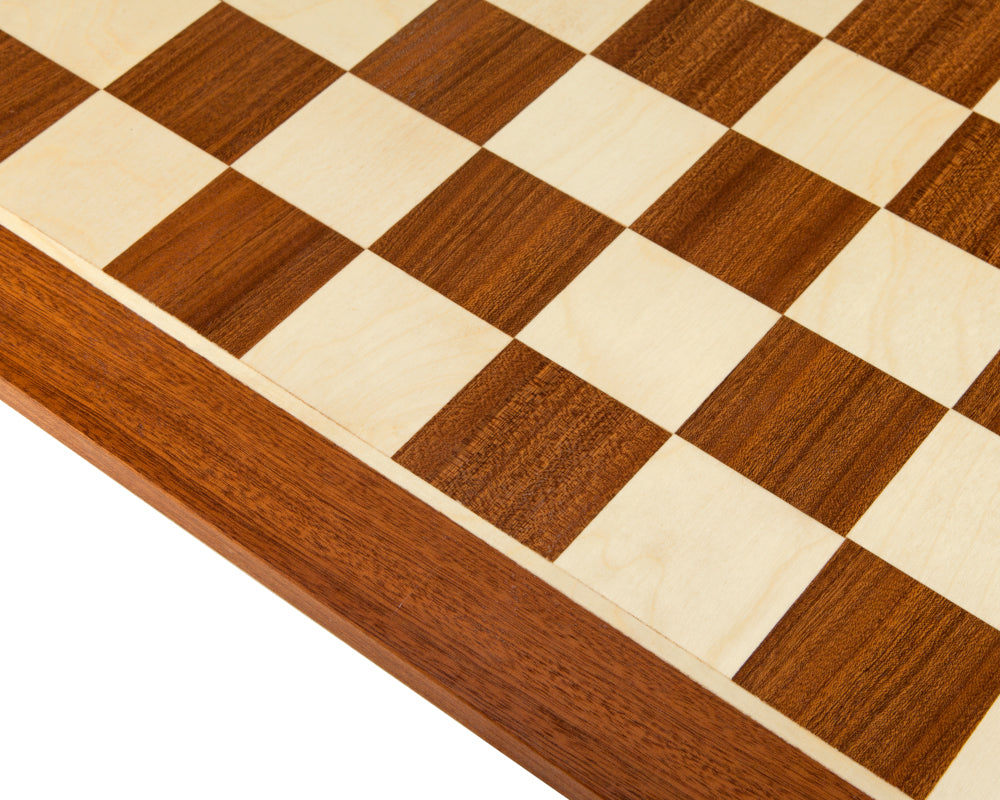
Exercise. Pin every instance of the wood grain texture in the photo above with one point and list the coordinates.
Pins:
(909, 303)
(881, 667)
(532, 448)
(36, 92)
(571, 698)
(982, 400)
(497, 241)
(225, 82)
(812, 423)
(718, 56)
(755, 219)
(950, 46)
(233, 261)
(469, 65)
(956, 194)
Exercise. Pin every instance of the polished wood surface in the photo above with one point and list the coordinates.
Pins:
(495, 64)
(225, 82)
(527, 428)
(36, 93)
(835, 663)
(589, 710)
(233, 261)
(819, 427)
(755, 219)
(664, 45)
(497, 240)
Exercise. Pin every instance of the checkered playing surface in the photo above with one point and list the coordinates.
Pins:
(698, 298)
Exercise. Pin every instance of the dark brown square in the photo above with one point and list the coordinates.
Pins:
(468, 65)
(532, 448)
(950, 46)
(982, 400)
(878, 665)
(813, 424)
(756, 220)
(233, 261)
(717, 56)
(225, 82)
(36, 92)
(956, 194)
(497, 241)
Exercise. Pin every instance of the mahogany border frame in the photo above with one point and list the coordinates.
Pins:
(566, 695)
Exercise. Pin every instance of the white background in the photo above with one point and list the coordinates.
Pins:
(136, 663)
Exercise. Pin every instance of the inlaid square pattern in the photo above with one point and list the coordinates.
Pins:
(814, 424)
(755, 219)
(950, 47)
(233, 261)
(881, 667)
(954, 195)
(718, 56)
(98, 39)
(606, 139)
(679, 318)
(377, 351)
(909, 303)
(342, 31)
(497, 240)
(37, 92)
(506, 65)
(649, 329)
(225, 82)
(581, 23)
(938, 520)
(853, 121)
(819, 16)
(356, 159)
(701, 554)
(102, 176)
(527, 428)
(982, 401)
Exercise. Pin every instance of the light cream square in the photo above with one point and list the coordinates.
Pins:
(377, 351)
(701, 554)
(343, 31)
(650, 329)
(99, 40)
(818, 16)
(101, 177)
(356, 159)
(607, 139)
(975, 772)
(852, 121)
(910, 303)
(989, 106)
(938, 520)
(581, 23)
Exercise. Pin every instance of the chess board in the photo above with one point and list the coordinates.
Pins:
(623, 376)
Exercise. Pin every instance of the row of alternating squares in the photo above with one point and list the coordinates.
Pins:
(605, 138)
(124, 192)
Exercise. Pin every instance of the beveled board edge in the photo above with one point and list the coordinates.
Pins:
(563, 693)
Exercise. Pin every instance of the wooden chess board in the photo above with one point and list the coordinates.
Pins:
(623, 376)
